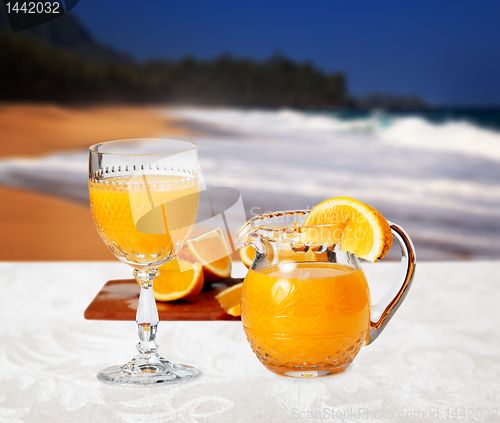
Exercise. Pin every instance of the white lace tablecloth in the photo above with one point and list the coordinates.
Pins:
(439, 358)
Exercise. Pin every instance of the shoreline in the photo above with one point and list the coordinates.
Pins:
(433, 180)
(32, 130)
(39, 226)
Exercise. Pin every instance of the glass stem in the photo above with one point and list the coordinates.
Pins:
(147, 314)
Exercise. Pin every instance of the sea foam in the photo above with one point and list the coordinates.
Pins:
(441, 179)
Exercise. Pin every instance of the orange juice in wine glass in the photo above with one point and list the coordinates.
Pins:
(165, 205)
(144, 201)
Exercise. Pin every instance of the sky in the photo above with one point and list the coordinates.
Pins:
(446, 51)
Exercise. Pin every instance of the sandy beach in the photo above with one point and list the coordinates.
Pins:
(34, 226)
(38, 227)
(28, 130)
(439, 181)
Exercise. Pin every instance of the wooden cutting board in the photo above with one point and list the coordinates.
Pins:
(117, 300)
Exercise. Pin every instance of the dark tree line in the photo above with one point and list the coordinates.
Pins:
(35, 71)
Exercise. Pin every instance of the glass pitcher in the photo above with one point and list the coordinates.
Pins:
(306, 307)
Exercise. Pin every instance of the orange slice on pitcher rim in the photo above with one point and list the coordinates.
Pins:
(360, 228)
(247, 255)
(229, 299)
(211, 251)
(174, 284)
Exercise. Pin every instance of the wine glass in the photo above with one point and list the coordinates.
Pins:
(144, 197)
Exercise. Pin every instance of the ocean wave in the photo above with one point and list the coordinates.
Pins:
(453, 137)
(282, 122)
(413, 132)
(432, 178)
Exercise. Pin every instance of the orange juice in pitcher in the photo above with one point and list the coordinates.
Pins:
(314, 313)
(305, 303)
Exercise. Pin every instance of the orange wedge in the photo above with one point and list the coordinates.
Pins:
(211, 251)
(235, 311)
(363, 230)
(247, 255)
(173, 284)
(229, 299)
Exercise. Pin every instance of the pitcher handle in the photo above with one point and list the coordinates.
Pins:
(382, 312)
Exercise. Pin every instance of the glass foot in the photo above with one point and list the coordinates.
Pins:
(147, 372)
